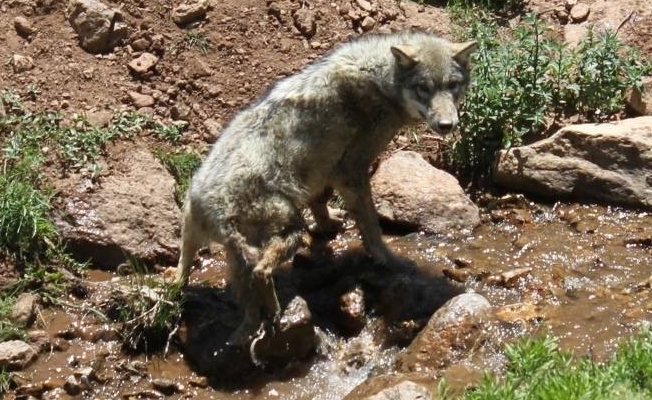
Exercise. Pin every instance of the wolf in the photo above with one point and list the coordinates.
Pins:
(310, 134)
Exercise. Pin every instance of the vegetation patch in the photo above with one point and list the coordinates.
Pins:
(182, 165)
(526, 81)
(538, 369)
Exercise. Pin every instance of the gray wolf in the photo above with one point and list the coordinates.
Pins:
(312, 133)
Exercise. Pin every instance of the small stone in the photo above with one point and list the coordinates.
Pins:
(23, 26)
(198, 68)
(72, 386)
(352, 306)
(165, 386)
(579, 12)
(16, 354)
(140, 100)
(562, 14)
(186, 13)
(368, 23)
(365, 5)
(21, 63)
(569, 4)
(30, 389)
(305, 21)
(200, 382)
(140, 44)
(180, 112)
(24, 310)
(144, 63)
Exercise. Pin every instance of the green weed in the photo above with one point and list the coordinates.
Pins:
(194, 39)
(182, 166)
(171, 133)
(5, 380)
(527, 80)
(537, 369)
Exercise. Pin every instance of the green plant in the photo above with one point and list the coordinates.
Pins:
(127, 125)
(195, 39)
(524, 81)
(5, 380)
(538, 369)
(172, 133)
(182, 166)
(149, 311)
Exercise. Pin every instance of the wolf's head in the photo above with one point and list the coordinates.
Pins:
(433, 77)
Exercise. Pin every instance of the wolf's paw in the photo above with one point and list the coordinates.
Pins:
(328, 229)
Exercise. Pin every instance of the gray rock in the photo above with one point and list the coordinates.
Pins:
(143, 63)
(24, 27)
(186, 13)
(21, 63)
(607, 162)
(394, 386)
(409, 191)
(131, 214)
(16, 354)
(23, 312)
(450, 334)
(98, 26)
(140, 100)
(368, 23)
(405, 390)
(305, 21)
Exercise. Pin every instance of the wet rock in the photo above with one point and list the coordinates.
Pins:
(30, 390)
(16, 354)
(519, 313)
(143, 64)
(39, 340)
(72, 386)
(408, 191)
(305, 21)
(166, 386)
(641, 102)
(24, 310)
(24, 27)
(98, 26)
(140, 100)
(508, 278)
(21, 63)
(352, 308)
(589, 162)
(132, 214)
(450, 334)
(296, 338)
(395, 386)
(186, 13)
(579, 12)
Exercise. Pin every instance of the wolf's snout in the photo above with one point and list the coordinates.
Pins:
(444, 125)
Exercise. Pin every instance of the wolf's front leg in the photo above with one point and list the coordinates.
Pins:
(325, 224)
(357, 196)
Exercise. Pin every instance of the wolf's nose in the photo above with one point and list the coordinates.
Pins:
(444, 125)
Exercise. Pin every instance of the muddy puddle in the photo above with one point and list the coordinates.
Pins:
(581, 273)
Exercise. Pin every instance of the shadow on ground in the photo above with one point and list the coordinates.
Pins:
(402, 299)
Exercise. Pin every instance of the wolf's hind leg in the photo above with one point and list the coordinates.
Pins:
(192, 238)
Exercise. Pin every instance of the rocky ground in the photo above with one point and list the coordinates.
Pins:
(192, 65)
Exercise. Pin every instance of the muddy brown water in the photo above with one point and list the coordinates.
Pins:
(580, 273)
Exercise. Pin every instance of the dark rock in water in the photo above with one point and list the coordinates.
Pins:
(452, 332)
(295, 340)
(352, 311)
(210, 318)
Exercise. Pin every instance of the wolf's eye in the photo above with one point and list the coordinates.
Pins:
(453, 86)
(423, 91)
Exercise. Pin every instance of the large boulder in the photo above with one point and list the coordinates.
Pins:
(610, 162)
(131, 214)
(98, 26)
(409, 191)
(16, 355)
(452, 333)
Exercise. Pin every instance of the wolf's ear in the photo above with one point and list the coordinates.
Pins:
(462, 51)
(406, 55)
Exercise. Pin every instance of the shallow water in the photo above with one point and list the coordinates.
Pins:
(581, 273)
